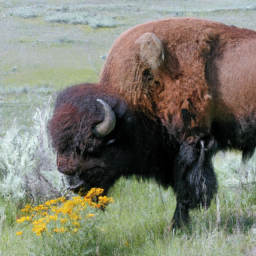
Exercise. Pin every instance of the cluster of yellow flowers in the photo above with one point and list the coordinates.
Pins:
(61, 215)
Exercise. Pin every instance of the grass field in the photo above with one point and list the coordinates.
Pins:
(47, 46)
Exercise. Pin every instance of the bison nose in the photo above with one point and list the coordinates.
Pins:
(60, 169)
(73, 182)
(67, 165)
(65, 171)
(69, 170)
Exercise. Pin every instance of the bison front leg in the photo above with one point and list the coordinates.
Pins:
(195, 179)
(181, 216)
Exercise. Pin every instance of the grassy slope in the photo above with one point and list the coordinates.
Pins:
(43, 58)
(137, 224)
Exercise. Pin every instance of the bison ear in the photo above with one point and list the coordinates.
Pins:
(151, 50)
(120, 108)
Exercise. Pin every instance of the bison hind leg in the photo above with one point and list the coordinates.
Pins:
(195, 179)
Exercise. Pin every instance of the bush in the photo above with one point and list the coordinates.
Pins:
(27, 163)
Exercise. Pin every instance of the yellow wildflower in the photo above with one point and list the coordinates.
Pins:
(39, 226)
(63, 220)
(94, 192)
(21, 220)
(76, 223)
(75, 217)
(53, 201)
(19, 233)
(39, 229)
(47, 203)
(27, 208)
(62, 199)
(66, 211)
(105, 199)
(92, 204)
(77, 199)
(59, 230)
(53, 217)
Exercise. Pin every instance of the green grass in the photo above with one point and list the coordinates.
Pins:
(53, 77)
(137, 224)
(43, 58)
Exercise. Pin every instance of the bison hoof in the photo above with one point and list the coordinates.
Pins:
(178, 225)
(180, 219)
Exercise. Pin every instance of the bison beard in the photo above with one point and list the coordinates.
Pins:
(196, 180)
(177, 90)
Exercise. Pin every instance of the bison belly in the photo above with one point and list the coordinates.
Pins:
(232, 80)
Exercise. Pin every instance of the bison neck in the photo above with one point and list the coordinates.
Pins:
(155, 159)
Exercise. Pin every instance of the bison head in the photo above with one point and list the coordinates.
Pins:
(97, 137)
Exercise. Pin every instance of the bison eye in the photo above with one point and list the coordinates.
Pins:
(66, 149)
(78, 150)
(70, 149)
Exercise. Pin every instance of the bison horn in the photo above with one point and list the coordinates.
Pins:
(109, 122)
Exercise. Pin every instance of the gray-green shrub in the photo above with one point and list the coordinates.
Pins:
(27, 162)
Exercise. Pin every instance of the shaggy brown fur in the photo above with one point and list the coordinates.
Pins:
(179, 80)
(181, 89)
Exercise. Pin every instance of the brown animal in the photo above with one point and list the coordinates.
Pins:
(188, 85)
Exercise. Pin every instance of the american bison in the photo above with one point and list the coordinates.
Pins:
(171, 94)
